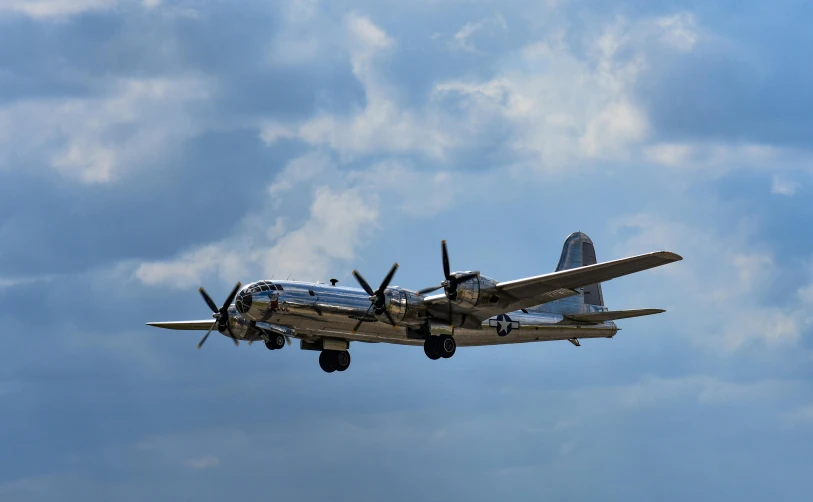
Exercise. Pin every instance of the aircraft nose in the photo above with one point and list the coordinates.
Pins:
(243, 303)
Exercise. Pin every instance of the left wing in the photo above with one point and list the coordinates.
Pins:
(184, 325)
(531, 291)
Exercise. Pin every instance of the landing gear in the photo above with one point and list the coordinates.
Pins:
(436, 347)
(275, 342)
(334, 360)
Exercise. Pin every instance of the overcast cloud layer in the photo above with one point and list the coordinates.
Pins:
(150, 147)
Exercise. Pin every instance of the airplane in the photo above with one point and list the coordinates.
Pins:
(472, 310)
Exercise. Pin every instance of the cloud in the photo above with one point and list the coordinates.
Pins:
(461, 38)
(723, 270)
(42, 9)
(95, 139)
(338, 222)
(780, 186)
(205, 462)
(60, 9)
(381, 126)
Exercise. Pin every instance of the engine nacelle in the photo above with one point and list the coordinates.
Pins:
(479, 290)
(405, 307)
(240, 326)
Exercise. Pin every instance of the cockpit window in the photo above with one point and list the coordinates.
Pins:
(262, 286)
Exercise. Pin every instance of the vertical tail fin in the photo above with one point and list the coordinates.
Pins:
(578, 251)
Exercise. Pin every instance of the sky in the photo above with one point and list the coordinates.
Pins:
(151, 147)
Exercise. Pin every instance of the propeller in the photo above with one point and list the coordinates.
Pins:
(220, 315)
(377, 297)
(451, 281)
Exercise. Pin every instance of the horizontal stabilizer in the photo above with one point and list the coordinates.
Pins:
(611, 315)
(184, 325)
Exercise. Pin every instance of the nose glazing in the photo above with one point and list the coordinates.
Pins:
(243, 303)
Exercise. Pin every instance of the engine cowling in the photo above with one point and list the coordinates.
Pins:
(241, 327)
(405, 307)
(477, 291)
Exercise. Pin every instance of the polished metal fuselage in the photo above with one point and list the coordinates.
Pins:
(321, 311)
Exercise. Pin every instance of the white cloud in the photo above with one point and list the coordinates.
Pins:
(93, 139)
(54, 8)
(780, 186)
(382, 125)
(59, 9)
(462, 38)
(205, 462)
(718, 158)
(339, 221)
(563, 109)
(679, 31)
(723, 275)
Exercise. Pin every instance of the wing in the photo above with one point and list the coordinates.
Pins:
(184, 325)
(532, 291)
(611, 315)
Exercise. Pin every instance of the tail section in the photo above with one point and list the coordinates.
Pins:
(578, 251)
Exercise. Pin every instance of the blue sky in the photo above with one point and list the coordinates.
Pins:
(150, 147)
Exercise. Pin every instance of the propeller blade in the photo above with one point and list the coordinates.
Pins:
(386, 281)
(363, 283)
(288, 340)
(208, 300)
(447, 273)
(234, 338)
(358, 324)
(390, 319)
(203, 340)
(429, 290)
(230, 299)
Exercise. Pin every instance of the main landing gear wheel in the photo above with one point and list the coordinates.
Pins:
(447, 346)
(430, 349)
(436, 347)
(334, 360)
(275, 342)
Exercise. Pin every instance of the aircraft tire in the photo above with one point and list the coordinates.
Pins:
(430, 348)
(446, 346)
(275, 343)
(327, 361)
(342, 359)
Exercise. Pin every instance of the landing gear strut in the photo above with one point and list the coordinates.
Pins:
(275, 342)
(436, 347)
(334, 360)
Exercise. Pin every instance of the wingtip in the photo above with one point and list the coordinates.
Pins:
(670, 255)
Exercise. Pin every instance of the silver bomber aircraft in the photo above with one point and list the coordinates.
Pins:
(472, 310)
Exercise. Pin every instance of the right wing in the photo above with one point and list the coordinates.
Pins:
(532, 291)
(611, 315)
(584, 276)
(184, 325)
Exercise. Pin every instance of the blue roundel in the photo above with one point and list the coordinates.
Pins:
(504, 324)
